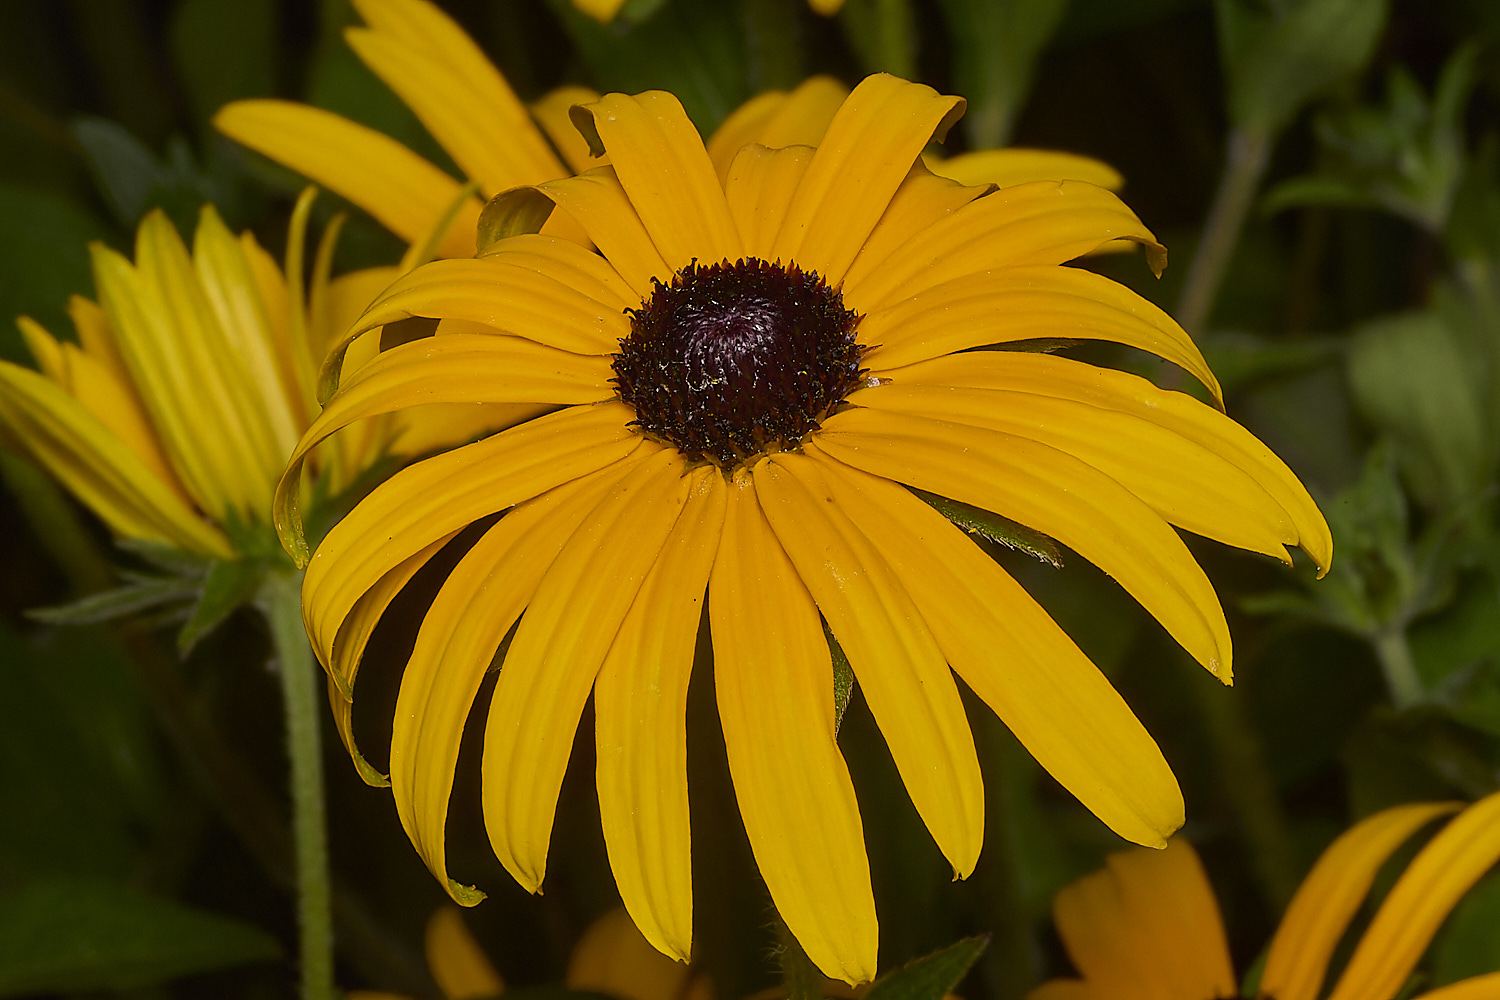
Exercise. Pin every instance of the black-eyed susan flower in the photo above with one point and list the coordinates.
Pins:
(749, 379)
(500, 143)
(1147, 925)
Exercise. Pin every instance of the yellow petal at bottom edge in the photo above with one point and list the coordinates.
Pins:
(552, 662)
(640, 725)
(1017, 659)
(774, 680)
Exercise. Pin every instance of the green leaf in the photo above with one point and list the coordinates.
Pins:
(1241, 358)
(125, 170)
(140, 595)
(68, 935)
(694, 48)
(843, 678)
(995, 47)
(178, 562)
(883, 33)
(1279, 55)
(1470, 942)
(1410, 379)
(229, 584)
(931, 977)
(1000, 530)
(224, 50)
(43, 258)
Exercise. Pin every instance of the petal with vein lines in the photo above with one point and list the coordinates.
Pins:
(552, 114)
(1057, 495)
(1017, 660)
(868, 150)
(1009, 167)
(759, 187)
(640, 725)
(774, 681)
(600, 205)
(900, 668)
(552, 661)
(777, 119)
(922, 199)
(481, 599)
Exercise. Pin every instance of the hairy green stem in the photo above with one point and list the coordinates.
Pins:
(801, 977)
(1244, 166)
(281, 602)
(1400, 670)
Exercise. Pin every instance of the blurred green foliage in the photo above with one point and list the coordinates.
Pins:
(1356, 330)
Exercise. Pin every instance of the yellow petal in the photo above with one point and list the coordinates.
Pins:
(550, 668)
(343, 722)
(777, 119)
(640, 726)
(1009, 167)
(660, 161)
(459, 966)
(603, 11)
(1057, 495)
(1420, 900)
(614, 959)
(97, 467)
(46, 351)
(1485, 987)
(542, 288)
(1025, 303)
(1047, 222)
(233, 290)
(404, 192)
(867, 152)
(433, 427)
(774, 681)
(1015, 657)
(438, 71)
(759, 188)
(478, 603)
(1188, 484)
(921, 200)
(552, 114)
(1328, 898)
(426, 501)
(1147, 927)
(1114, 390)
(294, 364)
(598, 203)
(900, 669)
(826, 8)
(94, 335)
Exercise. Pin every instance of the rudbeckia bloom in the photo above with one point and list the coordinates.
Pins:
(500, 143)
(749, 380)
(1148, 927)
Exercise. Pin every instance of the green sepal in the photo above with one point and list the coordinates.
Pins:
(1000, 530)
(931, 977)
(178, 562)
(227, 585)
(140, 594)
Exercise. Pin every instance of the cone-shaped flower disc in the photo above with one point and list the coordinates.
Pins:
(751, 375)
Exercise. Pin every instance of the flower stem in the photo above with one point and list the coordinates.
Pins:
(798, 974)
(1247, 156)
(1400, 670)
(281, 602)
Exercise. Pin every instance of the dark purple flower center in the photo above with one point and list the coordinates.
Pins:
(733, 360)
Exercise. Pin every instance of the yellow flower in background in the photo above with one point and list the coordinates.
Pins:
(611, 958)
(605, 10)
(1147, 926)
(500, 143)
(748, 378)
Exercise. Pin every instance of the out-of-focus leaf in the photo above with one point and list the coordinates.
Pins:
(1470, 941)
(694, 48)
(1280, 55)
(931, 977)
(1240, 358)
(178, 562)
(43, 259)
(229, 584)
(883, 33)
(66, 935)
(1473, 231)
(83, 780)
(1406, 158)
(1466, 634)
(995, 48)
(224, 50)
(1409, 378)
(140, 595)
(133, 181)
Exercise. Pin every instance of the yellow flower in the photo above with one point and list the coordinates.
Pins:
(605, 10)
(747, 377)
(499, 143)
(1147, 926)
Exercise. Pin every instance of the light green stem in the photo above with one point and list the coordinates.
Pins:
(281, 601)
(1244, 166)
(1400, 670)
